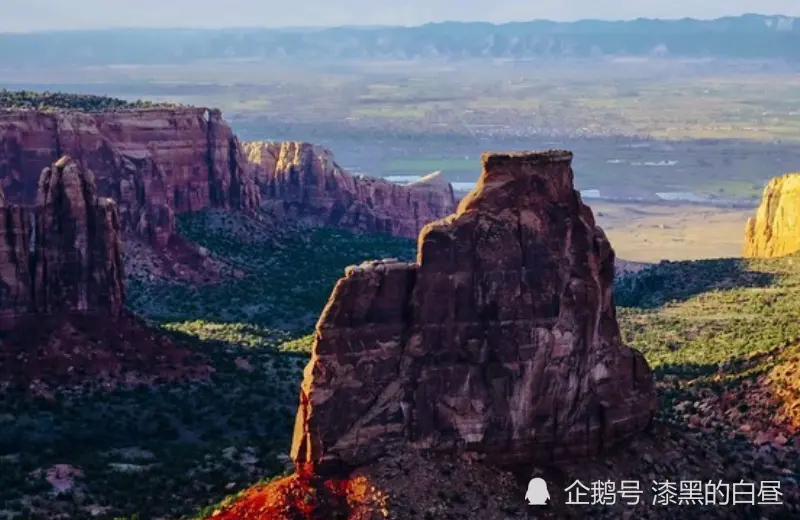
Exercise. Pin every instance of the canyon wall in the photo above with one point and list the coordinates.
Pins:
(500, 339)
(775, 228)
(159, 162)
(62, 255)
(301, 181)
(153, 162)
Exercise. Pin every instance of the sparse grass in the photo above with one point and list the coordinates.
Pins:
(651, 233)
(698, 315)
(707, 107)
(712, 326)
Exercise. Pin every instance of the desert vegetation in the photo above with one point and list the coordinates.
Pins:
(723, 340)
(175, 448)
(28, 99)
(709, 329)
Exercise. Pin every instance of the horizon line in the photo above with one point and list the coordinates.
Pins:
(389, 26)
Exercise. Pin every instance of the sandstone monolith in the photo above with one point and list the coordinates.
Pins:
(500, 339)
(62, 255)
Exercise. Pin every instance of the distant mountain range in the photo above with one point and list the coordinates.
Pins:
(744, 37)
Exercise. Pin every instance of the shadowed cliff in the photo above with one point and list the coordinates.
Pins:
(62, 296)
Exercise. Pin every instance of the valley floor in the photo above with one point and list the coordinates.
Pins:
(654, 232)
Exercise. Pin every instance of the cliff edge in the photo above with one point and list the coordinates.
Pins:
(152, 162)
(775, 228)
(301, 181)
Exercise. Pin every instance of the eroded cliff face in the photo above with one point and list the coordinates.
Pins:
(62, 316)
(16, 279)
(501, 339)
(63, 255)
(775, 228)
(153, 162)
(303, 182)
(77, 245)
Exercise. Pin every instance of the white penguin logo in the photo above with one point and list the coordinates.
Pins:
(537, 494)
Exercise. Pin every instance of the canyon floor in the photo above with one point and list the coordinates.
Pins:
(718, 334)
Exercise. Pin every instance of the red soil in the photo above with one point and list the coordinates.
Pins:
(304, 498)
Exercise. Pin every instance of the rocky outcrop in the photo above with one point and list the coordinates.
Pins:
(153, 162)
(500, 339)
(77, 245)
(303, 182)
(63, 255)
(62, 316)
(775, 228)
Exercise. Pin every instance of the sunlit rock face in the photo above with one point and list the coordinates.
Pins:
(500, 339)
(775, 228)
(301, 181)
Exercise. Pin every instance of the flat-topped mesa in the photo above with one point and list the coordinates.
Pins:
(62, 256)
(153, 162)
(501, 339)
(775, 228)
(302, 181)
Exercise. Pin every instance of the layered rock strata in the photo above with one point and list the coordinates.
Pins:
(775, 228)
(63, 255)
(153, 162)
(500, 339)
(62, 315)
(301, 181)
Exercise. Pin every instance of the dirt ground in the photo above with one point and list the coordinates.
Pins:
(654, 232)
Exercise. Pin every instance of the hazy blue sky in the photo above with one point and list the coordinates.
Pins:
(28, 15)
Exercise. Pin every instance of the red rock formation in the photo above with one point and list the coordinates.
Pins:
(63, 255)
(302, 181)
(501, 339)
(78, 252)
(16, 281)
(153, 162)
(61, 287)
